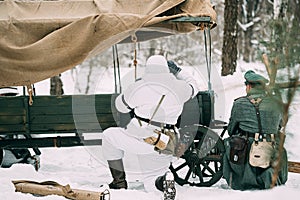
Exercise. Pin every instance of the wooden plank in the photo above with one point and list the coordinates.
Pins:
(102, 103)
(81, 127)
(47, 128)
(12, 128)
(75, 100)
(67, 141)
(69, 118)
(294, 166)
(68, 109)
(5, 120)
(12, 102)
(11, 111)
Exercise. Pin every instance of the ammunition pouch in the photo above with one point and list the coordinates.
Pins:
(262, 153)
(171, 146)
(160, 146)
(238, 149)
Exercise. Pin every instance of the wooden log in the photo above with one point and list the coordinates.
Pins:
(53, 188)
(294, 167)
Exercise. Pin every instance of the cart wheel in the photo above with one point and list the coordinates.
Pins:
(201, 165)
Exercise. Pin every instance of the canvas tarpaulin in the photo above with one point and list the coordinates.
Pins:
(40, 39)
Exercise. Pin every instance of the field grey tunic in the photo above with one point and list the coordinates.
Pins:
(243, 117)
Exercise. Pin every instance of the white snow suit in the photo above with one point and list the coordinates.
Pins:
(144, 96)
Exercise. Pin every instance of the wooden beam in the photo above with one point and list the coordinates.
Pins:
(294, 166)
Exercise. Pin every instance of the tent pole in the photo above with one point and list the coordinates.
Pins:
(208, 55)
(115, 71)
(118, 67)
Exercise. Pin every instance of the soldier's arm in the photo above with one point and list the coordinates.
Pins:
(185, 76)
(233, 122)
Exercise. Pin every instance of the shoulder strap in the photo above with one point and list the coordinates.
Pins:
(255, 103)
(125, 103)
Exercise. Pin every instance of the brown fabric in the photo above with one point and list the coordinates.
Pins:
(54, 188)
(40, 39)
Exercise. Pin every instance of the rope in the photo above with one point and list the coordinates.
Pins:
(134, 39)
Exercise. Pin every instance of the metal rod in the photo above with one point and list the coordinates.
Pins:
(115, 71)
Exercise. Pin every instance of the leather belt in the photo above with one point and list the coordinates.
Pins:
(154, 123)
(266, 136)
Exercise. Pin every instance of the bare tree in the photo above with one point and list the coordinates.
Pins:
(248, 19)
(283, 54)
(56, 86)
(229, 50)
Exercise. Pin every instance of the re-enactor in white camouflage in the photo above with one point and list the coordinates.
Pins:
(157, 101)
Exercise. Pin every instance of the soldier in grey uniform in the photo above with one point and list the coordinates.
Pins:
(245, 122)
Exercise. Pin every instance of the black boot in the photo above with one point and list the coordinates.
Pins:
(21, 154)
(166, 184)
(13, 156)
(1, 155)
(117, 171)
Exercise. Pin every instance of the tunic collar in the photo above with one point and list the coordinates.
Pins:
(256, 92)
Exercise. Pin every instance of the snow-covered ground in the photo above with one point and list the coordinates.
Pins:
(83, 168)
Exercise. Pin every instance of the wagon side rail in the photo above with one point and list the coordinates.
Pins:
(55, 121)
(76, 120)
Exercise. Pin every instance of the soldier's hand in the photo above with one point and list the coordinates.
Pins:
(174, 69)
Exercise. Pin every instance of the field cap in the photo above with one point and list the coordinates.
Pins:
(252, 77)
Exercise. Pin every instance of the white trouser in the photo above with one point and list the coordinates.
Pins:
(117, 141)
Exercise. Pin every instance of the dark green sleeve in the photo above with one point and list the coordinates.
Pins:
(233, 121)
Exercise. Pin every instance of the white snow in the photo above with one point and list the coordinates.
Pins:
(84, 168)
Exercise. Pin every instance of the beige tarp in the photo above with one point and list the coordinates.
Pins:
(40, 39)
